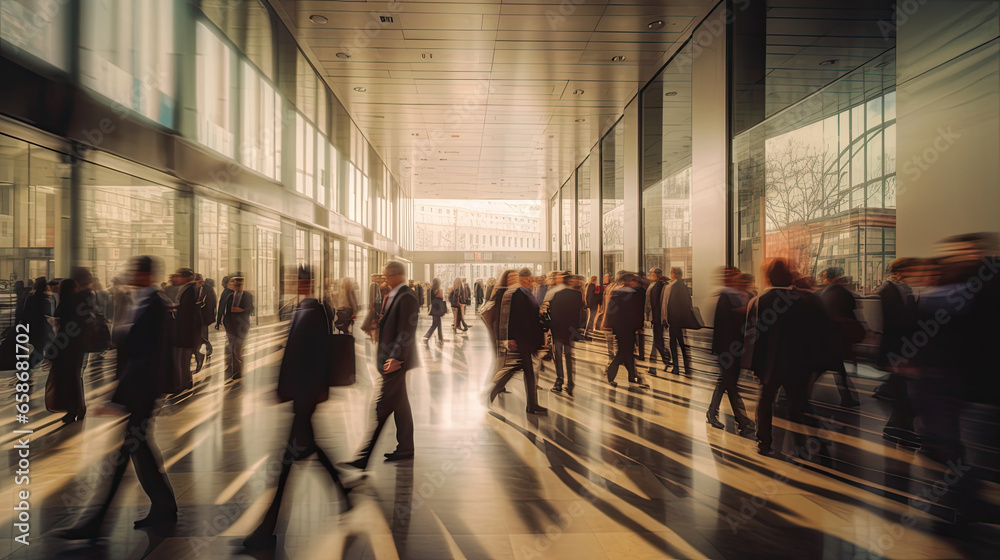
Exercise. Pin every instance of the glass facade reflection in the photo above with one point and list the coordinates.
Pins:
(613, 200)
(816, 184)
(666, 168)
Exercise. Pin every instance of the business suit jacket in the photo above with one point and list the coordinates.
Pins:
(226, 292)
(565, 310)
(593, 295)
(207, 303)
(899, 312)
(419, 289)
(397, 331)
(730, 318)
(625, 309)
(654, 302)
(786, 335)
(676, 310)
(840, 305)
(237, 323)
(523, 325)
(303, 376)
(188, 317)
(145, 355)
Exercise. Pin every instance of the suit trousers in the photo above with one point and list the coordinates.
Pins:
(301, 445)
(234, 356)
(392, 400)
(527, 365)
(729, 377)
(182, 366)
(795, 391)
(624, 356)
(435, 326)
(561, 349)
(139, 447)
(677, 339)
(658, 346)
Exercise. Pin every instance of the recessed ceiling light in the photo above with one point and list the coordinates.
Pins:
(578, 92)
(360, 89)
(343, 55)
(618, 58)
(318, 19)
(580, 120)
(670, 94)
(830, 62)
(654, 25)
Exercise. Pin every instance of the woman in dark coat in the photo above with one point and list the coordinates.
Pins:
(36, 314)
(64, 388)
(625, 314)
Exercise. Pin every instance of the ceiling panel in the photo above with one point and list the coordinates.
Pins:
(488, 98)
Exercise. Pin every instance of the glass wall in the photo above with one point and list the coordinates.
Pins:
(613, 200)
(586, 247)
(260, 145)
(554, 230)
(567, 226)
(34, 225)
(816, 183)
(124, 216)
(478, 225)
(213, 78)
(666, 167)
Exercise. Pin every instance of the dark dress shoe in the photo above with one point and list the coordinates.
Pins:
(569, 391)
(155, 519)
(556, 389)
(538, 410)
(612, 383)
(715, 423)
(396, 456)
(748, 432)
(638, 383)
(765, 451)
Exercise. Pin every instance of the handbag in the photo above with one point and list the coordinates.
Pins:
(340, 357)
(438, 307)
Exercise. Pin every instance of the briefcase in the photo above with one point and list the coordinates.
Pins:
(341, 360)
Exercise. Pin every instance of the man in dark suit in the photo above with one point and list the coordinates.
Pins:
(676, 311)
(188, 324)
(847, 330)
(785, 337)
(223, 298)
(304, 380)
(566, 313)
(418, 288)
(654, 315)
(727, 345)
(899, 321)
(523, 335)
(625, 315)
(396, 355)
(145, 356)
(206, 308)
(236, 318)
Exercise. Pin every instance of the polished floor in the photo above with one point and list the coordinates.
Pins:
(609, 474)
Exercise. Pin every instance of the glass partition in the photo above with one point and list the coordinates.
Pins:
(613, 200)
(585, 246)
(816, 183)
(666, 168)
(568, 226)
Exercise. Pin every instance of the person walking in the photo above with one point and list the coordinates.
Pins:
(396, 355)
(188, 324)
(145, 355)
(205, 296)
(455, 299)
(677, 309)
(654, 316)
(727, 345)
(74, 313)
(438, 310)
(567, 317)
(37, 315)
(236, 318)
(303, 379)
(624, 317)
(520, 330)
